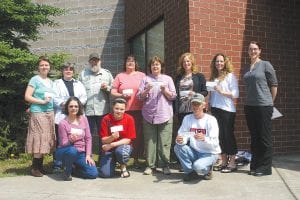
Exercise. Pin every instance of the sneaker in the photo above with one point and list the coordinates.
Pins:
(208, 176)
(57, 170)
(166, 170)
(190, 176)
(67, 177)
(36, 173)
(148, 171)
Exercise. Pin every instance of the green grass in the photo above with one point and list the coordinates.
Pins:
(21, 166)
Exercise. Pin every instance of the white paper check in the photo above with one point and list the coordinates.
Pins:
(116, 128)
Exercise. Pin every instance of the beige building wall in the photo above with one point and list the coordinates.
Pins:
(88, 26)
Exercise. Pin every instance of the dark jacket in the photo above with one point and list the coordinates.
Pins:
(199, 82)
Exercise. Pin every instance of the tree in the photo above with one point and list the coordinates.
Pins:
(20, 21)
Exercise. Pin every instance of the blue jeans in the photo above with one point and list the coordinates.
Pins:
(192, 160)
(108, 160)
(70, 156)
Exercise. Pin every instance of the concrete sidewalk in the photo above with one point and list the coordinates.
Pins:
(284, 184)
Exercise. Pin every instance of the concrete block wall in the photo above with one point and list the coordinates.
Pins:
(88, 26)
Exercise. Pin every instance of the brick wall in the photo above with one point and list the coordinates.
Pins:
(88, 26)
(228, 26)
(140, 14)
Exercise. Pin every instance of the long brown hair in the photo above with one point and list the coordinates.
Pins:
(228, 68)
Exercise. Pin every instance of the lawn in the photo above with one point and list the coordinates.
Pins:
(21, 166)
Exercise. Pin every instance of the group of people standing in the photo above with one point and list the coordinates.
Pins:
(140, 120)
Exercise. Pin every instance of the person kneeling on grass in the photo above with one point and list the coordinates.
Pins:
(75, 142)
(117, 132)
(201, 131)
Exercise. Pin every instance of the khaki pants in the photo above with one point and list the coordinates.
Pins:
(157, 139)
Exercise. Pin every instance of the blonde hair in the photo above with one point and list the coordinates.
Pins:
(180, 69)
(228, 68)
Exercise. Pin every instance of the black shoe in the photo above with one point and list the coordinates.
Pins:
(190, 176)
(259, 174)
(67, 177)
(251, 172)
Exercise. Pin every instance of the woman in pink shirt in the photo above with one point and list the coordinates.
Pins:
(126, 85)
(75, 142)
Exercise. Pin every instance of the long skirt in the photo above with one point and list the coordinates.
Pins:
(41, 133)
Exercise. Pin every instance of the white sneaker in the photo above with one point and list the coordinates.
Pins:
(148, 171)
(166, 170)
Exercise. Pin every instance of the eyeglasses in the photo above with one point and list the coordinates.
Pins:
(253, 49)
(71, 106)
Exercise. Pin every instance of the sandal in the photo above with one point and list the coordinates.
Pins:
(229, 169)
(125, 173)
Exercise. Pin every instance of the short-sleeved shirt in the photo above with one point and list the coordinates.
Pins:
(42, 88)
(123, 82)
(127, 124)
(258, 83)
(97, 99)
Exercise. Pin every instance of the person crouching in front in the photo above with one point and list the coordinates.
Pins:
(197, 143)
(75, 142)
(117, 133)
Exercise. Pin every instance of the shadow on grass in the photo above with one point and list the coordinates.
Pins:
(21, 167)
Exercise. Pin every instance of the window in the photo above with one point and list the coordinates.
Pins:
(148, 44)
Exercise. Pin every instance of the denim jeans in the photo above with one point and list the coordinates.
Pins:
(108, 160)
(192, 160)
(70, 156)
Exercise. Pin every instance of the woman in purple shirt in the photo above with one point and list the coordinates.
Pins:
(157, 91)
(75, 142)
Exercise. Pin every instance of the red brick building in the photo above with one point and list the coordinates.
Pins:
(206, 27)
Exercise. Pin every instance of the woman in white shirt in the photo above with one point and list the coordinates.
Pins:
(222, 107)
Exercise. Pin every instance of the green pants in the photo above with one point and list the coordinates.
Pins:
(157, 139)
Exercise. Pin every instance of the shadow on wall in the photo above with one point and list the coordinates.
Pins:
(112, 54)
(274, 25)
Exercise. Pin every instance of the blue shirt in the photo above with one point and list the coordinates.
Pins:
(41, 89)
